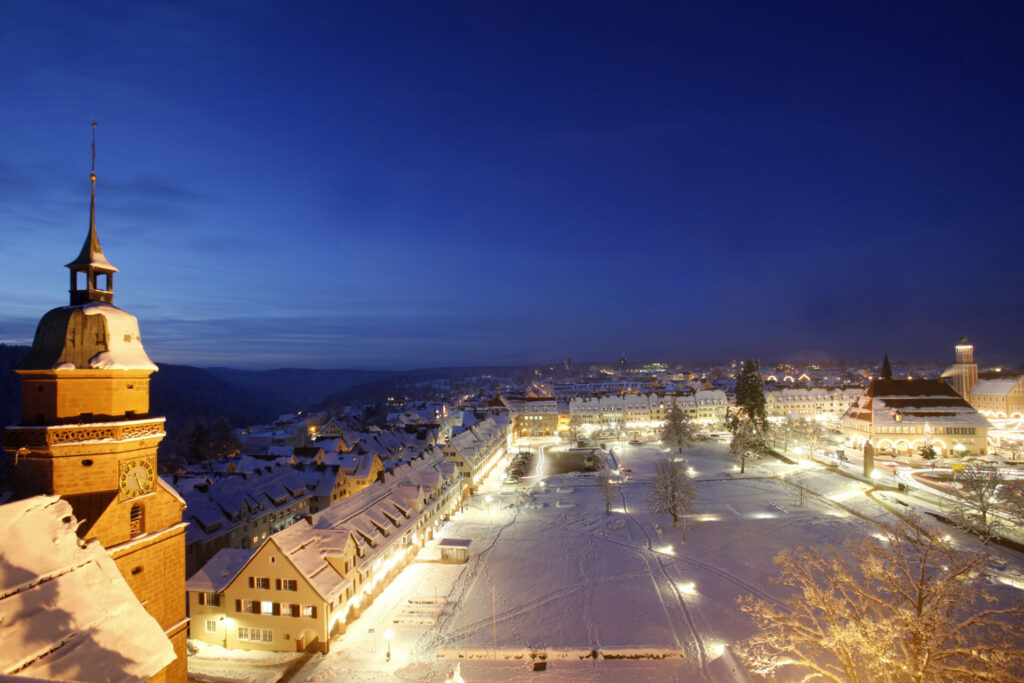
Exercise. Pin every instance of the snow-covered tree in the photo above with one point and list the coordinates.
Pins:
(672, 491)
(906, 608)
(814, 435)
(679, 431)
(750, 392)
(976, 505)
(747, 443)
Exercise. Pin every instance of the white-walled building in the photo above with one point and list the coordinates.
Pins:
(645, 413)
(817, 403)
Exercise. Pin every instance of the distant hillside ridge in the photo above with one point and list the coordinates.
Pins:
(297, 388)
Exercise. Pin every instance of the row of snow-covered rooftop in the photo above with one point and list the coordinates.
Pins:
(373, 519)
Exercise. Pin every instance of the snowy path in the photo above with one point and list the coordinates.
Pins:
(697, 640)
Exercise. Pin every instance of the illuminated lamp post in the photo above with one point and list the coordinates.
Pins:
(388, 634)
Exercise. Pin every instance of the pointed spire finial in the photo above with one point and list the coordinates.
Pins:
(91, 261)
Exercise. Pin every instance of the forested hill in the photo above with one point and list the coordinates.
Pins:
(182, 392)
(296, 388)
(10, 383)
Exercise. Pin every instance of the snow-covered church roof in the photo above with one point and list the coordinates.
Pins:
(887, 401)
(66, 613)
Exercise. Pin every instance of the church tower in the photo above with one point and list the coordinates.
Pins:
(965, 371)
(87, 435)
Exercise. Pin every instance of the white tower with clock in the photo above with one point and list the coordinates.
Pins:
(86, 435)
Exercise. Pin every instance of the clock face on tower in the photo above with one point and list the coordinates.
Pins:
(136, 478)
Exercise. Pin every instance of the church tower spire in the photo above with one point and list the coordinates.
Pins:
(92, 275)
(886, 371)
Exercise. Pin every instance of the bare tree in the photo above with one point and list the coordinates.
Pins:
(573, 434)
(906, 608)
(679, 431)
(975, 507)
(604, 480)
(747, 443)
(672, 491)
(1014, 447)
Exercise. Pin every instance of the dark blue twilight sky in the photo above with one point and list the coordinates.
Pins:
(385, 184)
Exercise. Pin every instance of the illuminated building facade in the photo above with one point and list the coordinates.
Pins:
(902, 416)
(308, 582)
(993, 394)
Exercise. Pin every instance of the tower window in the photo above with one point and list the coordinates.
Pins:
(137, 521)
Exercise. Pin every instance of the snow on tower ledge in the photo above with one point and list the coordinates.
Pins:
(98, 336)
(124, 343)
(66, 612)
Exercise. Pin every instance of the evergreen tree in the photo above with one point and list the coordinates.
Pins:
(750, 392)
(199, 441)
(886, 371)
(223, 440)
(679, 432)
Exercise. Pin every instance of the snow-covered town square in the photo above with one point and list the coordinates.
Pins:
(522, 341)
(563, 580)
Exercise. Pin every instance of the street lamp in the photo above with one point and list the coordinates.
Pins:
(388, 634)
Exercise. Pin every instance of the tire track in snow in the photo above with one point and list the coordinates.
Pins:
(701, 650)
(464, 582)
(722, 573)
